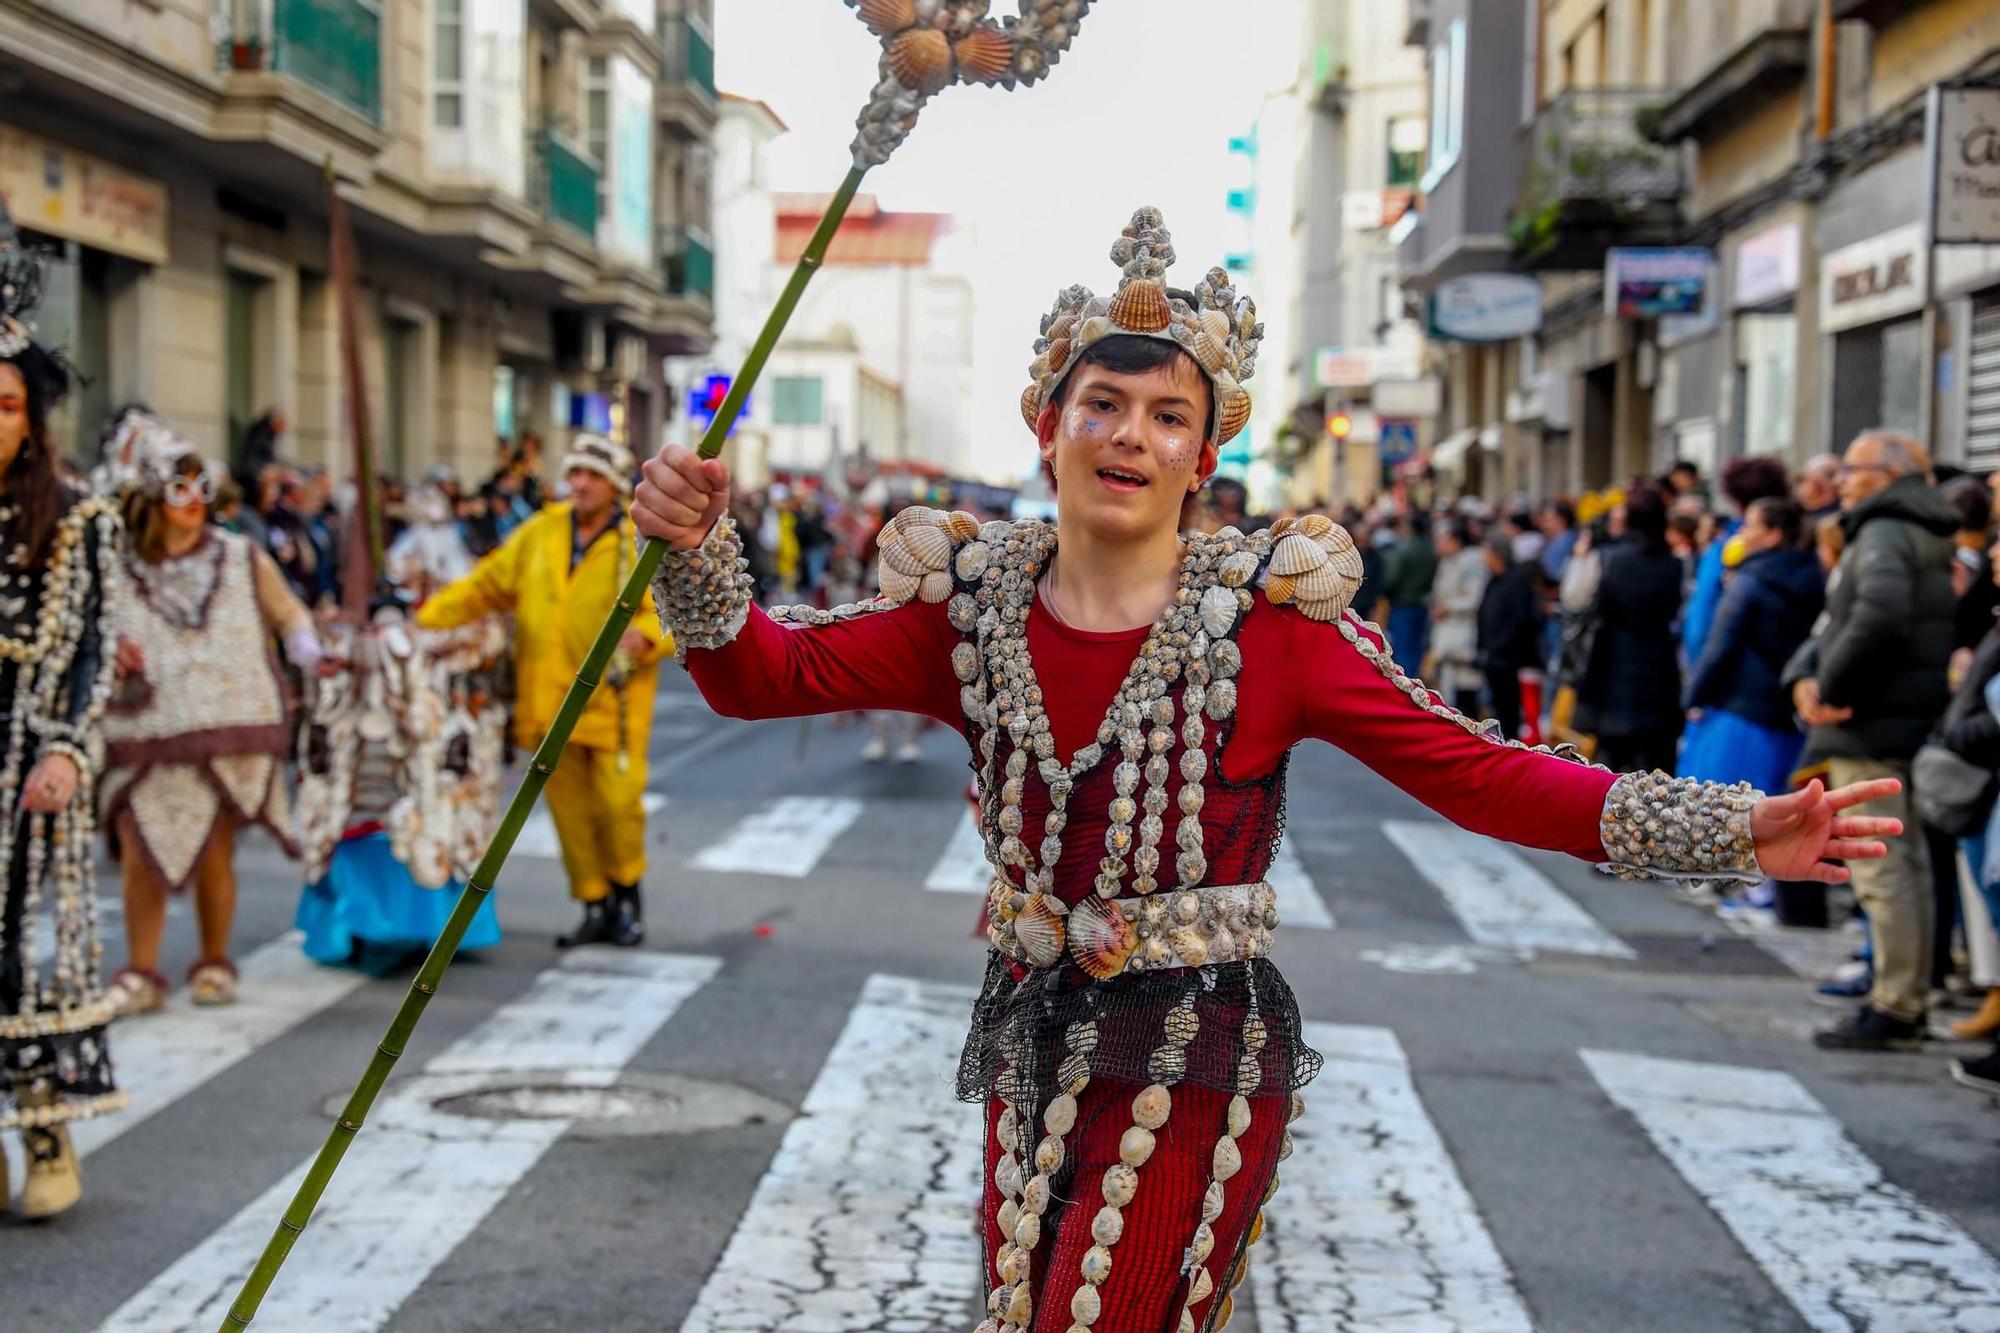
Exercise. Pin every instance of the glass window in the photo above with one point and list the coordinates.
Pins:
(1406, 152)
(448, 67)
(1447, 104)
(796, 400)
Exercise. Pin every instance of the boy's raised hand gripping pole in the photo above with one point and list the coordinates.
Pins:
(927, 45)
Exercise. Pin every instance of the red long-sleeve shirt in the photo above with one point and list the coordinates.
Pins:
(1301, 679)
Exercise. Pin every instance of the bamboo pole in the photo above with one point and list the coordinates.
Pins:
(348, 1124)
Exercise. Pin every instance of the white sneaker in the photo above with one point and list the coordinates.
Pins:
(909, 752)
(875, 751)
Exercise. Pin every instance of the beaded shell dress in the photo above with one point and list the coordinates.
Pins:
(1138, 1054)
(54, 679)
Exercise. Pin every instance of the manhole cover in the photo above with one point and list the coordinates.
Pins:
(560, 1101)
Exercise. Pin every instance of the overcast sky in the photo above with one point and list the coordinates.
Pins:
(1140, 111)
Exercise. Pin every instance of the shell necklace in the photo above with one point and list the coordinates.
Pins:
(1188, 643)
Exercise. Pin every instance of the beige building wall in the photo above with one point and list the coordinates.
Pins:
(1927, 43)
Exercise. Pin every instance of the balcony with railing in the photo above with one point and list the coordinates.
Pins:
(686, 95)
(563, 182)
(687, 263)
(1735, 55)
(1592, 180)
(334, 46)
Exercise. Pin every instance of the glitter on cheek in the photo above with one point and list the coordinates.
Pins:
(1178, 453)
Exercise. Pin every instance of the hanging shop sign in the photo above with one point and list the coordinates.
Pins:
(1359, 367)
(1962, 131)
(1870, 281)
(1767, 266)
(82, 198)
(1648, 283)
(1486, 308)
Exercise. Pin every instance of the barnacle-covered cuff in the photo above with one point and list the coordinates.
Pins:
(703, 595)
(1655, 826)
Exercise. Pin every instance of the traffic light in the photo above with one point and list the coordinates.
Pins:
(1339, 425)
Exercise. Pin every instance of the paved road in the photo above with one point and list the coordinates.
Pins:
(1551, 1100)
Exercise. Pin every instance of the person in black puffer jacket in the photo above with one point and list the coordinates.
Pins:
(1872, 686)
(1630, 696)
(1767, 610)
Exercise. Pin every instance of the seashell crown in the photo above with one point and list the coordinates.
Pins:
(927, 45)
(141, 454)
(21, 274)
(1218, 329)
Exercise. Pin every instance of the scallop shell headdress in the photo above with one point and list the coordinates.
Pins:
(141, 453)
(928, 45)
(1219, 329)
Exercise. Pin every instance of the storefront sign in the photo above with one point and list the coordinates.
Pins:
(1649, 283)
(1408, 398)
(1359, 367)
(82, 198)
(1767, 266)
(1873, 280)
(1964, 142)
(1486, 308)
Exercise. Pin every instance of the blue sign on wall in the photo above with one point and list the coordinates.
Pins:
(705, 400)
(1396, 440)
(591, 412)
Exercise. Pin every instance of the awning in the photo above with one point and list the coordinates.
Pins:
(1449, 455)
(1490, 439)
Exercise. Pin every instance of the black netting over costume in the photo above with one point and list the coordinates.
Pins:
(1020, 1020)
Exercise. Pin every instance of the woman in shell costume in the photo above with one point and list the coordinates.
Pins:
(58, 566)
(1138, 1054)
(198, 728)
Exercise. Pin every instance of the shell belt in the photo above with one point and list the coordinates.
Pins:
(1218, 923)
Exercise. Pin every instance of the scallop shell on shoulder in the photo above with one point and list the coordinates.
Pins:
(1296, 554)
(898, 586)
(1279, 588)
(930, 545)
(961, 526)
(921, 60)
(1316, 526)
(1100, 939)
(886, 18)
(1142, 306)
(895, 553)
(985, 55)
(936, 587)
(1317, 585)
(1040, 932)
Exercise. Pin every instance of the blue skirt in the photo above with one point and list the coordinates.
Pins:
(1727, 747)
(368, 904)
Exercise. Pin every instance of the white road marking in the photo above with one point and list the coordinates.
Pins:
(538, 834)
(1849, 1249)
(418, 1179)
(159, 1057)
(787, 837)
(865, 1219)
(1299, 903)
(963, 868)
(1500, 898)
(1372, 1229)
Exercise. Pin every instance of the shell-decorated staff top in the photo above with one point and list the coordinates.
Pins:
(1216, 327)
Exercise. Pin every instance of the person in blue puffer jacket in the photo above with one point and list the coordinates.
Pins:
(1767, 610)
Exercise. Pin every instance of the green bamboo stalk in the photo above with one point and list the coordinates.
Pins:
(293, 1224)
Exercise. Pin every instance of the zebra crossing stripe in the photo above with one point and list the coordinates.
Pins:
(963, 868)
(1372, 1227)
(1299, 903)
(158, 1058)
(421, 1177)
(538, 836)
(1847, 1248)
(865, 1218)
(1497, 896)
(787, 837)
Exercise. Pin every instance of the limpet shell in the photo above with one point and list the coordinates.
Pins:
(1121, 1185)
(1189, 946)
(1228, 1159)
(1049, 1155)
(985, 55)
(1021, 1304)
(1008, 1217)
(1018, 1262)
(1096, 1265)
(1152, 1106)
(1203, 1288)
(1168, 1064)
(1035, 1196)
(1212, 1201)
(1221, 699)
(1203, 1243)
(1142, 306)
(1218, 611)
(964, 613)
(921, 60)
(965, 662)
(1238, 569)
(1060, 1116)
(1086, 1305)
(1108, 1226)
(1135, 1147)
(1239, 1115)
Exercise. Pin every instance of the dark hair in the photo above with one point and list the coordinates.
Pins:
(1564, 511)
(1459, 530)
(146, 515)
(1129, 354)
(1685, 465)
(1646, 517)
(34, 484)
(1500, 549)
(1973, 501)
(1747, 480)
(1780, 514)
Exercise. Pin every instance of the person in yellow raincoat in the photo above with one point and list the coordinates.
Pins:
(558, 573)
